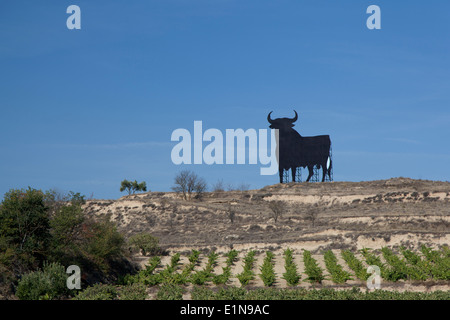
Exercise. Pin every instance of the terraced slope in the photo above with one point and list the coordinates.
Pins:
(318, 216)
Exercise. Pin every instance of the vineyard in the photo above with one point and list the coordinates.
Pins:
(230, 244)
(294, 275)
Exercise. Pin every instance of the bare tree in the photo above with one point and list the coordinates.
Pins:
(187, 183)
(218, 186)
(243, 187)
(231, 213)
(277, 207)
(311, 215)
(181, 182)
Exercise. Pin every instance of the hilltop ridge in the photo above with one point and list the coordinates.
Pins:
(329, 215)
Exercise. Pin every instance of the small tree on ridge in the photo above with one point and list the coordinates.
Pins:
(132, 186)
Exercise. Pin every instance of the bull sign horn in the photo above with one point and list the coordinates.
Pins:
(268, 117)
(295, 118)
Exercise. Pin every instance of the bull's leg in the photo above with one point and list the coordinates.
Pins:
(280, 171)
(324, 171)
(293, 173)
(311, 172)
(329, 169)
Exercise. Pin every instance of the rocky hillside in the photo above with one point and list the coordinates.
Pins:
(317, 216)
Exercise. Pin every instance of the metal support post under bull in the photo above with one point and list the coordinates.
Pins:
(298, 174)
(286, 176)
(315, 177)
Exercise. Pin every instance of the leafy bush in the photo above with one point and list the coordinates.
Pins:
(338, 274)
(233, 293)
(193, 259)
(136, 291)
(170, 292)
(226, 273)
(202, 276)
(291, 275)
(146, 243)
(418, 269)
(223, 277)
(267, 270)
(199, 277)
(212, 262)
(439, 262)
(372, 259)
(397, 267)
(355, 264)
(231, 257)
(169, 275)
(102, 291)
(102, 243)
(25, 228)
(247, 274)
(230, 293)
(312, 269)
(146, 276)
(46, 284)
(97, 292)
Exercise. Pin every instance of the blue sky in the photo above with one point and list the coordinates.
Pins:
(82, 110)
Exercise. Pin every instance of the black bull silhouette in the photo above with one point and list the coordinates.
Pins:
(296, 151)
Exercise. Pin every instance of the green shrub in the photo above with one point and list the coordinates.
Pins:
(146, 243)
(267, 270)
(291, 275)
(372, 259)
(247, 274)
(223, 277)
(98, 292)
(439, 262)
(193, 257)
(231, 257)
(202, 293)
(106, 242)
(170, 292)
(233, 293)
(146, 276)
(199, 277)
(46, 284)
(136, 291)
(226, 271)
(312, 269)
(202, 276)
(355, 264)
(212, 262)
(25, 228)
(418, 269)
(66, 227)
(338, 274)
(398, 268)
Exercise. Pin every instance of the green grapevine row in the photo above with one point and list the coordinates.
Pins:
(312, 269)
(291, 275)
(406, 265)
(267, 270)
(338, 274)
